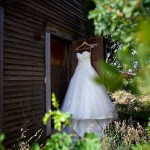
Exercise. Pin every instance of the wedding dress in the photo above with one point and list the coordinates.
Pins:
(86, 100)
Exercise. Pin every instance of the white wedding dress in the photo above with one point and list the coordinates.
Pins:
(86, 100)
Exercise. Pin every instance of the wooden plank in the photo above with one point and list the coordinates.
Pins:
(48, 14)
(20, 25)
(23, 52)
(22, 57)
(47, 17)
(9, 27)
(22, 78)
(1, 65)
(24, 94)
(23, 107)
(12, 136)
(25, 114)
(68, 14)
(22, 99)
(23, 42)
(9, 124)
(23, 73)
(23, 88)
(14, 33)
(60, 6)
(30, 13)
(22, 83)
(25, 68)
(28, 124)
(24, 47)
(6, 2)
(47, 79)
(59, 32)
(17, 127)
(23, 62)
(30, 18)
(23, 22)
(73, 5)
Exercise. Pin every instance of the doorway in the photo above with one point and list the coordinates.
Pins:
(57, 70)
(59, 60)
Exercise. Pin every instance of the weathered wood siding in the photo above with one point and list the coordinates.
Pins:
(1, 64)
(24, 59)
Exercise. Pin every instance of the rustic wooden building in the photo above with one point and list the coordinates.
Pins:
(37, 57)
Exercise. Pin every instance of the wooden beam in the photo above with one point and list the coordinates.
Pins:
(47, 79)
(6, 2)
(58, 31)
(1, 63)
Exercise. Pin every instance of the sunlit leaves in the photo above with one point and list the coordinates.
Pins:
(55, 103)
(59, 141)
(63, 141)
(60, 119)
(89, 142)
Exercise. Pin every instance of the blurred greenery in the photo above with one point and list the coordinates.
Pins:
(2, 137)
(128, 23)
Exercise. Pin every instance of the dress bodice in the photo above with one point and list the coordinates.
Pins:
(84, 58)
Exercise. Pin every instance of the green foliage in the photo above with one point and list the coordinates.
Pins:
(60, 119)
(62, 140)
(144, 146)
(35, 147)
(54, 101)
(108, 74)
(127, 22)
(2, 137)
(131, 106)
(58, 141)
(89, 142)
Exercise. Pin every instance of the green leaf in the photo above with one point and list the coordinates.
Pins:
(2, 137)
(47, 117)
(54, 101)
(110, 77)
(35, 147)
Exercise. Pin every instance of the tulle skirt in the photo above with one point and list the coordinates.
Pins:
(88, 102)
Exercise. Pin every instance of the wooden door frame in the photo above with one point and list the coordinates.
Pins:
(1, 64)
(47, 79)
(51, 29)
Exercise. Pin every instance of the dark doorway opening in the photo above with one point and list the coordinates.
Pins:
(59, 66)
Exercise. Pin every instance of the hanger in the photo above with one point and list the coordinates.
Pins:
(84, 43)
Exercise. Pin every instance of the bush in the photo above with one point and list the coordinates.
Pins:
(131, 106)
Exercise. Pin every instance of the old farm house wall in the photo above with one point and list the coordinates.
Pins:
(35, 42)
